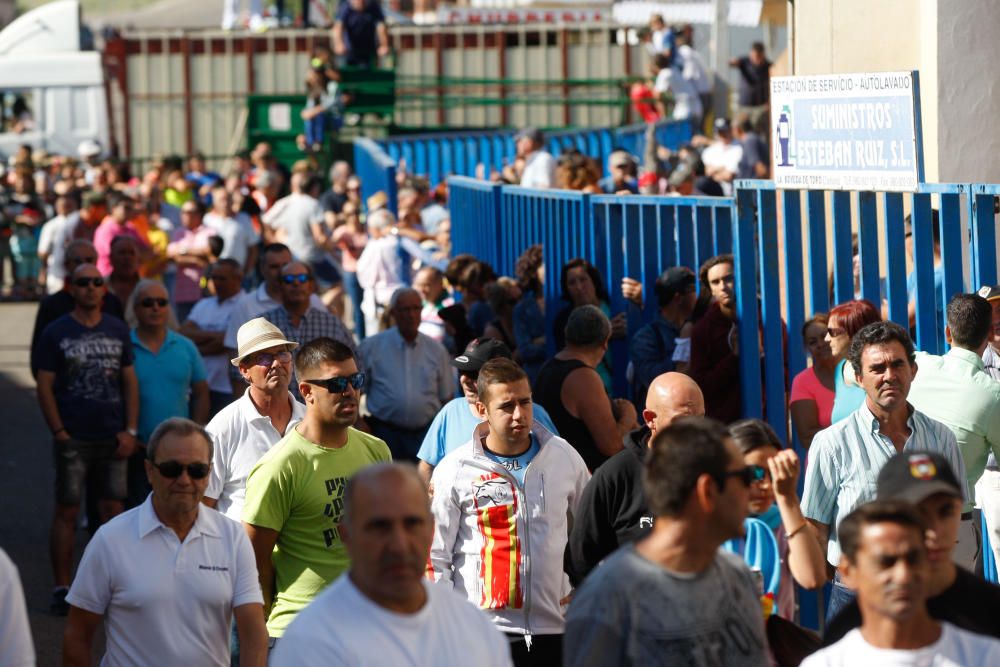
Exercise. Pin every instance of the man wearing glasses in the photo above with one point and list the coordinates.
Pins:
(295, 493)
(674, 597)
(297, 318)
(89, 396)
(54, 306)
(169, 576)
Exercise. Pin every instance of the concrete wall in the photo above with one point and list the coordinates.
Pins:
(954, 45)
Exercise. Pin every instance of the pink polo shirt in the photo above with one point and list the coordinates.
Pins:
(105, 234)
(187, 289)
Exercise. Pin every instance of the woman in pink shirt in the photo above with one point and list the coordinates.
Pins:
(351, 237)
(811, 400)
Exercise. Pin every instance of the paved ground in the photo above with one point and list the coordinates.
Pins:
(27, 478)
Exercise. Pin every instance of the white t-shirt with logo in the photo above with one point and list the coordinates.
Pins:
(343, 626)
(954, 648)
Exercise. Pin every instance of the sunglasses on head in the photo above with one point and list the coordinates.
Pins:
(293, 278)
(266, 359)
(85, 281)
(150, 301)
(173, 469)
(338, 385)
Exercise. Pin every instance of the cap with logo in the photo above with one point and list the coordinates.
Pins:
(989, 293)
(916, 476)
(478, 352)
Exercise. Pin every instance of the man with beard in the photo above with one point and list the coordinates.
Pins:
(295, 493)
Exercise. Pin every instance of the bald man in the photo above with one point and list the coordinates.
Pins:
(613, 508)
(383, 601)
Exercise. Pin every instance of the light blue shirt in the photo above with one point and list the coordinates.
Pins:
(165, 380)
(516, 465)
(407, 382)
(845, 460)
(847, 398)
(453, 427)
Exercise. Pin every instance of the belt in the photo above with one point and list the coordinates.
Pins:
(966, 516)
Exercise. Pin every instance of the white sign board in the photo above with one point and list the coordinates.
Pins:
(847, 132)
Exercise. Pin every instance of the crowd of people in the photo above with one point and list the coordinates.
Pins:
(300, 429)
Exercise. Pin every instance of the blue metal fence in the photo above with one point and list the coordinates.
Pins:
(376, 170)
(440, 155)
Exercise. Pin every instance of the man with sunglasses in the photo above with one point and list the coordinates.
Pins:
(674, 597)
(298, 319)
(54, 306)
(89, 396)
(168, 577)
(458, 418)
(295, 493)
(266, 297)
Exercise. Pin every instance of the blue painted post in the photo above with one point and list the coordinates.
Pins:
(770, 295)
(685, 237)
(868, 247)
(951, 248)
(666, 235)
(703, 234)
(843, 255)
(744, 249)
(923, 266)
(795, 295)
(819, 289)
(723, 230)
(895, 270)
(984, 255)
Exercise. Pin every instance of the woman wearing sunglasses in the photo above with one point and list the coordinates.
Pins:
(846, 320)
(774, 500)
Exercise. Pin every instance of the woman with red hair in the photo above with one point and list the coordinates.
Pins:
(844, 321)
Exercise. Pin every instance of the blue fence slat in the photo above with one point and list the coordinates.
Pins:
(819, 289)
(843, 254)
(951, 247)
(868, 247)
(685, 237)
(770, 302)
(745, 257)
(723, 217)
(895, 270)
(923, 265)
(795, 311)
(704, 240)
(984, 254)
(376, 169)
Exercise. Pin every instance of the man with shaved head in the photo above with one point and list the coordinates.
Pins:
(613, 509)
(383, 601)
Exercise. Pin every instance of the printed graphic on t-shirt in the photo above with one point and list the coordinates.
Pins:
(500, 563)
(93, 365)
(334, 509)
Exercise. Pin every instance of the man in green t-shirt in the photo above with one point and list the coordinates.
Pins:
(295, 493)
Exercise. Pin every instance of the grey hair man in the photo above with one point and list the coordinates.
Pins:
(380, 269)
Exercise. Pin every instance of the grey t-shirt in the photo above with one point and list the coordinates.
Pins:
(631, 611)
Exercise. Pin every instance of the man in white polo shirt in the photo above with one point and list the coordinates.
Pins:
(168, 577)
(246, 429)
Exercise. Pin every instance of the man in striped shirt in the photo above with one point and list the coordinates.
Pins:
(845, 458)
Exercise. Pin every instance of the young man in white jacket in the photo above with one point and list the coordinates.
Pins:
(503, 504)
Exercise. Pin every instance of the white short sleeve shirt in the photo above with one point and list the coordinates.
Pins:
(241, 436)
(166, 602)
(342, 626)
(210, 314)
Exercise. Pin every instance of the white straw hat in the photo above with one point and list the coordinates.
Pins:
(256, 335)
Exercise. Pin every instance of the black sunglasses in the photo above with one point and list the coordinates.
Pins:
(150, 301)
(338, 385)
(84, 282)
(296, 278)
(173, 469)
(747, 474)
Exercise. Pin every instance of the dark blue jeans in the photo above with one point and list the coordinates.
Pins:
(317, 128)
(840, 597)
(355, 293)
